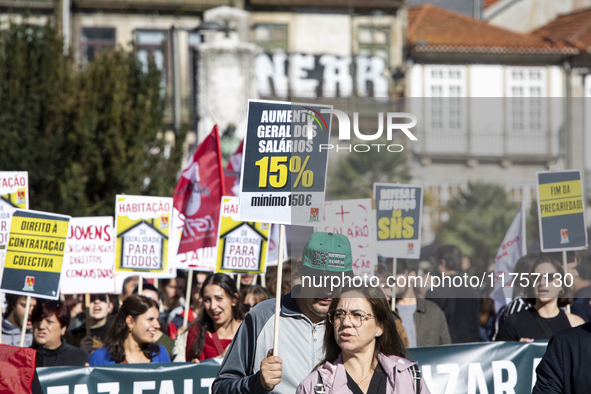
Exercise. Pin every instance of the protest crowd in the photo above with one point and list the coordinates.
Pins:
(211, 291)
(225, 318)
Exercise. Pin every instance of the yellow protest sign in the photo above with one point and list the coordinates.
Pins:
(560, 198)
(35, 252)
(14, 194)
(561, 212)
(143, 230)
(242, 246)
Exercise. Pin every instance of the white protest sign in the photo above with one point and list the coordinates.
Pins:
(89, 261)
(355, 220)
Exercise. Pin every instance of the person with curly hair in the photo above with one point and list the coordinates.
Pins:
(131, 337)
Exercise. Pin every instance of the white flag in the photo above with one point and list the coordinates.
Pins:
(512, 249)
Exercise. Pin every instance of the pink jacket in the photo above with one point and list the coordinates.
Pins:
(334, 377)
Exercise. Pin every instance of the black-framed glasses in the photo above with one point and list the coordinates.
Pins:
(356, 317)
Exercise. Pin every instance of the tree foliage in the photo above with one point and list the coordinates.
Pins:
(83, 135)
(354, 173)
(479, 217)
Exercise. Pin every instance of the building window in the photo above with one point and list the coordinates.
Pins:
(374, 41)
(95, 39)
(446, 87)
(271, 36)
(151, 45)
(526, 88)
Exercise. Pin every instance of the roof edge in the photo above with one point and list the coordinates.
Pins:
(494, 49)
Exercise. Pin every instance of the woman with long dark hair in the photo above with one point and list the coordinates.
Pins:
(210, 335)
(547, 297)
(131, 337)
(363, 351)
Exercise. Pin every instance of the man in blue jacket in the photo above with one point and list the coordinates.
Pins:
(566, 364)
(249, 366)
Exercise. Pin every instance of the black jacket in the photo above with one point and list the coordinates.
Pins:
(64, 356)
(566, 364)
(461, 307)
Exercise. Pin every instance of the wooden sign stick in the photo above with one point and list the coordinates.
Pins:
(278, 291)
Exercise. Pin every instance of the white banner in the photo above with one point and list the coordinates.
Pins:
(512, 249)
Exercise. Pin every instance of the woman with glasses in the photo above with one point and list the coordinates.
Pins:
(364, 353)
(131, 337)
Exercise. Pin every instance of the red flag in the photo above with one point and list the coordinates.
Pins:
(18, 368)
(198, 195)
(232, 172)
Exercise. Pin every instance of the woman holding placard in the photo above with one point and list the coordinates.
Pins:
(131, 337)
(211, 334)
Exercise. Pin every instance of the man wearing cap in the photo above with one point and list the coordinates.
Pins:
(249, 366)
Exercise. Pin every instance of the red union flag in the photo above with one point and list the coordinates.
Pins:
(18, 368)
(232, 172)
(197, 197)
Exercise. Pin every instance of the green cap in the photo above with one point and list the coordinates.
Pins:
(327, 254)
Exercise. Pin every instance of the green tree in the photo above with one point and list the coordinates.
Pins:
(354, 173)
(83, 135)
(478, 220)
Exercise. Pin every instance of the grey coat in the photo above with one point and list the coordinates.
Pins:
(430, 324)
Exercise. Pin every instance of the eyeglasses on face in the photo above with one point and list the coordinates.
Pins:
(357, 317)
(99, 297)
(247, 307)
